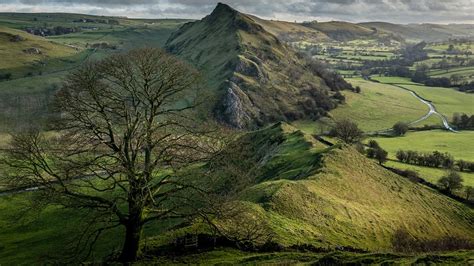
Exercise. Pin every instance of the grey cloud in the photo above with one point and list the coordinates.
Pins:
(401, 11)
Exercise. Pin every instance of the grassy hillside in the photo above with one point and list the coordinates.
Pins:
(337, 205)
(306, 192)
(14, 45)
(254, 78)
(342, 31)
(24, 99)
(233, 257)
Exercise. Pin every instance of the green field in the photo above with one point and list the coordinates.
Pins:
(460, 145)
(379, 106)
(456, 70)
(447, 101)
(430, 174)
(393, 80)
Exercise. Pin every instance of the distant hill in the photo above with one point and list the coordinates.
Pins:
(345, 31)
(254, 76)
(335, 196)
(425, 32)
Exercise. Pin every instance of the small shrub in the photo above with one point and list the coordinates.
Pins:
(400, 128)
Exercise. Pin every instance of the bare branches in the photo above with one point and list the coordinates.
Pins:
(127, 139)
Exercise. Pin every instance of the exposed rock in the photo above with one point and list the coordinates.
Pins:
(232, 107)
(32, 51)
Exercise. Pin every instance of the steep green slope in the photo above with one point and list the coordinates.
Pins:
(254, 78)
(337, 197)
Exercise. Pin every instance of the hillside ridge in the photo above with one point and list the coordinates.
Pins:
(254, 77)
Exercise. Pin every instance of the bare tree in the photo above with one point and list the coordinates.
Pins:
(126, 141)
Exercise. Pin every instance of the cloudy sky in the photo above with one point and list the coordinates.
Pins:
(399, 11)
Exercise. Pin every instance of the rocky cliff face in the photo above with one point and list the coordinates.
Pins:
(256, 78)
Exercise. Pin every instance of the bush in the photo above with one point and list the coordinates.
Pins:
(400, 128)
(451, 181)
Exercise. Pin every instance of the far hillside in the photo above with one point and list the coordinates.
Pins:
(425, 32)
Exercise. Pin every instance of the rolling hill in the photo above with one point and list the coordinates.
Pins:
(424, 32)
(254, 77)
(334, 196)
(345, 31)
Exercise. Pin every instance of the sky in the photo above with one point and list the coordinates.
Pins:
(396, 11)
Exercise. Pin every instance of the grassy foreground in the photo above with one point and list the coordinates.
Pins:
(233, 257)
(305, 192)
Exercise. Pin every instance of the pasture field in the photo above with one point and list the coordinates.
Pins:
(379, 106)
(460, 145)
(393, 80)
(450, 71)
(430, 174)
(447, 101)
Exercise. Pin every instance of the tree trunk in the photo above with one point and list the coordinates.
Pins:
(131, 246)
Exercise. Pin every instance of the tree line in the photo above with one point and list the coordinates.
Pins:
(434, 159)
(463, 121)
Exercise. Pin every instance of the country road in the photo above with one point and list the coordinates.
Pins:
(430, 104)
(432, 111)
